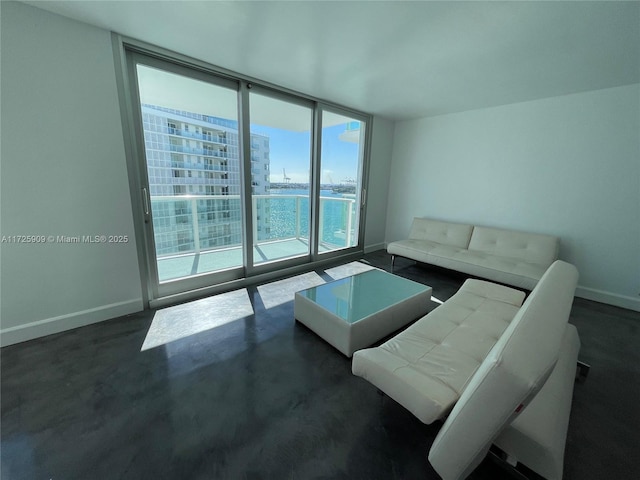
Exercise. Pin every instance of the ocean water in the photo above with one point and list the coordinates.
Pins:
(285, 210)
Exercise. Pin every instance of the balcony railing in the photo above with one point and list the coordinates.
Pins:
(201, 223)
(198, 151)
(198, 136)
(199, 166)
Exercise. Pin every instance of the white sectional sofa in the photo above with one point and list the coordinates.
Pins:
(505, 256)
(498, 372)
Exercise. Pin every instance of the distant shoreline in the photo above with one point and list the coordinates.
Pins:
(338, 188)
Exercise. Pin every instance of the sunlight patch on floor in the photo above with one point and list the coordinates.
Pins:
(283, 291)
(343, 271)
(181, 321)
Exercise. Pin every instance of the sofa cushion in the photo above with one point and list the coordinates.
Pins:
(446, 233)
(426, 367)
(509, 377)
(422, 250)
(532, 248)
(511, 271)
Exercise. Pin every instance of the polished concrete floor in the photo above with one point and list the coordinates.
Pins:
(241, 391)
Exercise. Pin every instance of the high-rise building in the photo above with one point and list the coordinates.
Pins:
(193, 164)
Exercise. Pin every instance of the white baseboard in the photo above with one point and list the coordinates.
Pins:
(375, 247)
(48, 326)
(623, 301)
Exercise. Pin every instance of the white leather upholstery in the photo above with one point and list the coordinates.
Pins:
(448, 233)
(537, 437)
(532, 248)
(509, 377)
(510, 271)
(426, 367)
(505, 256)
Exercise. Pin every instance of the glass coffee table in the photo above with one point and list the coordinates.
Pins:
(355, 312)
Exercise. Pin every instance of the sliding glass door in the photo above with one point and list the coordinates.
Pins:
(237, 179)
(341, 191)
(193, 173)
(280, 177)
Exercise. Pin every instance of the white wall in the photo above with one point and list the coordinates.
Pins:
(568, 166)
(63, 172)
(378, 186)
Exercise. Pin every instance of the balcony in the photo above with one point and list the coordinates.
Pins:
(198, 151)
(199, 166)
(198, 136)
(203, 233)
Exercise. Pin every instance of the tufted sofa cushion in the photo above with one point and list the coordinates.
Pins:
(505, 256)
(510, 376)
(447, 233)
(426, 367)
(531, 248)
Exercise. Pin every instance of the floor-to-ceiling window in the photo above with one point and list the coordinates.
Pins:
(192, 160)
(341, 169)
(238, 179)
(280, 176)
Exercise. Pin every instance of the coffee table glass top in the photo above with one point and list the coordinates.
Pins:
(359, 296)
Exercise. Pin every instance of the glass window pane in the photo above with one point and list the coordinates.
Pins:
(280, 174)
(341, 181)
(191, 147)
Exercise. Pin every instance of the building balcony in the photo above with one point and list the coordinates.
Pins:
(186, 226)
(224, 182)
(198, 136)
(199, 166)
(352, 132)
(205, 152)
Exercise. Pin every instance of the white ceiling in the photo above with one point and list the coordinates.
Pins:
(158, 87)
(396, 59)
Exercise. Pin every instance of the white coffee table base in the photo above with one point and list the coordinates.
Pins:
(347, 336)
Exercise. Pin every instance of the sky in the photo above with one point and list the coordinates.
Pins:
(291, 151)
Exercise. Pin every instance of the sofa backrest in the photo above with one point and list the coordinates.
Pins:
(530, 247)
(509, 377)
(453, 234)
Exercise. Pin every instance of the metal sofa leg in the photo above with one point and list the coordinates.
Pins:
(393, 262)
(511, 468)
(508, 465)
(582, 372)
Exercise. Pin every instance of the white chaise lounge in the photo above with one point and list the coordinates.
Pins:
(505, 256)
(501, 373)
